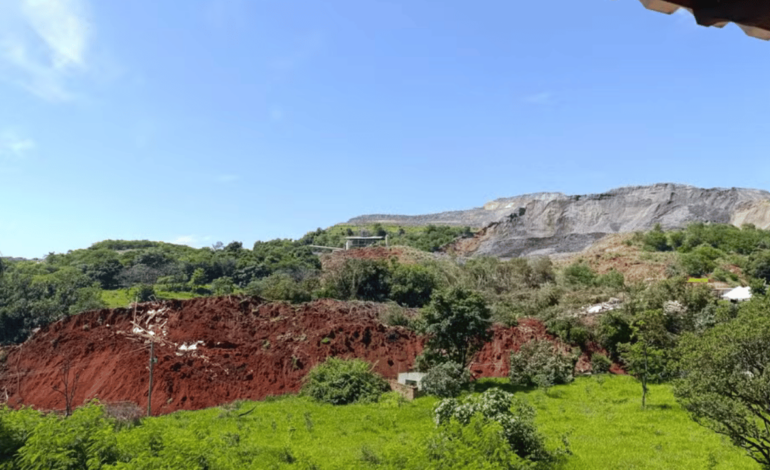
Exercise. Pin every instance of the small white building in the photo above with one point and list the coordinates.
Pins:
(739, 294)
(412, 379)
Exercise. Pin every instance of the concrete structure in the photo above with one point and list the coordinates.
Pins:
(413, 379)
(361, 242)
(739, 294)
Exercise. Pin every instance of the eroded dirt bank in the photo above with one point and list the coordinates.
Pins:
(215, 350)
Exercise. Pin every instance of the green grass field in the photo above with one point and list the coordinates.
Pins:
(121, 298)
(602, 416)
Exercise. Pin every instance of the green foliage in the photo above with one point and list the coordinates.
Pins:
(656, 240)
(429, 238)
(614, 329)
(516, 417)
(85, 440)
(606, 427)
(446, 380)
(541, 363)
(458, 323)
(725, 383)
(600, 364)
(570, 330)
(579, 274)
(760, 265)
(223, 286)
(360, 279)
(144, 293)
(412, 285)
(340, 382)
(613, 279)
(282, 286)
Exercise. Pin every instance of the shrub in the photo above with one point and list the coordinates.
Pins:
(540, 363)
(395, 316)
(360, 279)
(279, 286)
(613, 279)
(341, 381)
(516, 417)
(445, 380)
(600, 364)
(656, 240)
(144, 293)
(579, 274)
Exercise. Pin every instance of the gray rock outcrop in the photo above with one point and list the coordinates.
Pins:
(549, 223)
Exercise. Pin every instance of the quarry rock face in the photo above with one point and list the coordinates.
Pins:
(551, 223)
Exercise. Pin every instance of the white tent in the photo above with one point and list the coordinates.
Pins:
(738, 294)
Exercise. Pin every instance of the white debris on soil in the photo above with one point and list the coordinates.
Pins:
(607, 306)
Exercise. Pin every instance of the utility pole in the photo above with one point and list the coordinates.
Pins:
(153, 360)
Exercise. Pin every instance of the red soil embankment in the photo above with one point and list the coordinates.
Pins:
(244, 349)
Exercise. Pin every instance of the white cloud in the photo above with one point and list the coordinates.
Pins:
(14, 145)
(191, 240)
(539, 98)
(44, 45)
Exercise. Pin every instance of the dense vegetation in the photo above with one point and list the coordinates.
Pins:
(113, 273)
(669, 331)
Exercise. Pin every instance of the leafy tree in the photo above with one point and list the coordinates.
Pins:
(343, 381)
(281, 286)
(646, 356)
(412, 285)
(360, 279)
(223, 286)
(725, 380)
(760, 265)
(458, 323)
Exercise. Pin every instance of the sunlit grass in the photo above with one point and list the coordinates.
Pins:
(602, 416)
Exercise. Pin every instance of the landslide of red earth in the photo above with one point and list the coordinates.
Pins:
(244, 348)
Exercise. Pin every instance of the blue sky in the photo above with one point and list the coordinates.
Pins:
(209, 120)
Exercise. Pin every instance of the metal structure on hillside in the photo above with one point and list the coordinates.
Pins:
(752, 16)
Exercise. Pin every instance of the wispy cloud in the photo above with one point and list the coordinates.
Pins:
(191, 240)
(544, 97)
(15, 145)
(227, 178)
(44, 45)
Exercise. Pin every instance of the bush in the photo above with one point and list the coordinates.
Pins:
(395, 316)
(279, 286)
(613, 279)
(579, 274)
(445, 380)
(144, 293)
(600, 364)
(540, 363)
(516, 417)
(342, 381)
(656, 240)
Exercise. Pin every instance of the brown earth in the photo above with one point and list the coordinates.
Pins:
(245, 349)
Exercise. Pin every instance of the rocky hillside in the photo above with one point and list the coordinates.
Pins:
(549, 223)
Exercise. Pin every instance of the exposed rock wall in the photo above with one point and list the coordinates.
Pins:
(549, 223)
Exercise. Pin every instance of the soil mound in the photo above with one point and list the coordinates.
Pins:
(216, 350)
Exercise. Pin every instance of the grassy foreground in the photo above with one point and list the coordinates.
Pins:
(602, 416)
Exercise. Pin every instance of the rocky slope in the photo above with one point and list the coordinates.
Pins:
(550, 223)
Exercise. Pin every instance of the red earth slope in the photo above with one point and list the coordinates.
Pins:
(244, 349)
